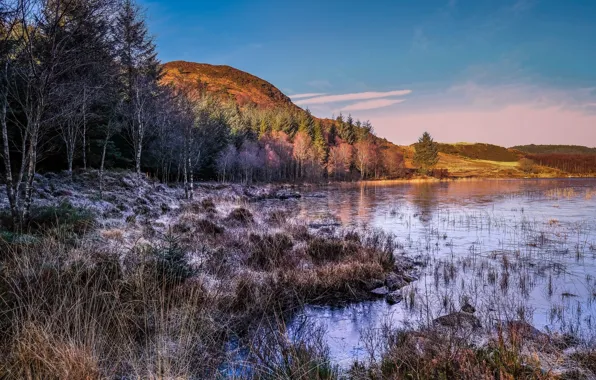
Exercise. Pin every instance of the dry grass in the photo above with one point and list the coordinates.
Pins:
(92, 320)
(167, 307)
(443, 354)
(115, 234)
(38, 354)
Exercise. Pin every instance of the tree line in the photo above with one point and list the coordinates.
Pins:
(570, 163)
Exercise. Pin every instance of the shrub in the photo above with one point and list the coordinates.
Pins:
(299, 232)
(269, 251)
(208, 227)
(170, 265)
(241, 215)
(64, 217)
(322, 249)
(586, 359)
(181, 228)
(278, 217)
(208, 205)
(526, 165)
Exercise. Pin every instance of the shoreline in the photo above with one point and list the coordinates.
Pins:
(223, 265)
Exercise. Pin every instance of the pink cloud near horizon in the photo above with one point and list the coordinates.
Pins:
(507, 126)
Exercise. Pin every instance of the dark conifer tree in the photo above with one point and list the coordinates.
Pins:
(427, 152)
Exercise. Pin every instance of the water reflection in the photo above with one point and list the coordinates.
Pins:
(514, 248)
(424, 198)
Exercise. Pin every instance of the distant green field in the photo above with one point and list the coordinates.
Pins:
(555, 149)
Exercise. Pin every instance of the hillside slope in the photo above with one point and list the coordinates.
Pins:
(480, 151)
(226, 83)
(555, 149)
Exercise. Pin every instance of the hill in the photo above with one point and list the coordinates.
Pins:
(226, 83)
(480, 151)
(460, 166)
(555, 149)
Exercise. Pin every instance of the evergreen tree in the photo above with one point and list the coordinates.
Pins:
(320, 145)
(263, 128)
(306, 124)
(348, 130)
(427, 152)
(332, 135)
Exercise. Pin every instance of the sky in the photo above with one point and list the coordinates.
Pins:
(505, 72)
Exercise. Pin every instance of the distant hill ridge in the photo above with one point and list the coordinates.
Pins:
(480, 151)
(555, 149)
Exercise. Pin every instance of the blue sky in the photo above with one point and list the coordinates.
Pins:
(505, 72)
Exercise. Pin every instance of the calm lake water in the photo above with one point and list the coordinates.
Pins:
(513, 248)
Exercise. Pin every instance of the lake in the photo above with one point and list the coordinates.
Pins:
(512, 248)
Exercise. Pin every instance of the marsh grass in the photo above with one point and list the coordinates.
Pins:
(164, 302)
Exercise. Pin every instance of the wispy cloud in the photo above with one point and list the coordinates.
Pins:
(309, 95)
(371, 104)
(351, 97)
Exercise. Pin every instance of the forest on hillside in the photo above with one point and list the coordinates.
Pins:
(573, 159)
(80, 88)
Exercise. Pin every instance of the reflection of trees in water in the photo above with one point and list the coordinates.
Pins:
(425, 198)
(358, 203)
(352, 204)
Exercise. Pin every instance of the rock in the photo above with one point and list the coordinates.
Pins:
(382, 291)
(286, 194)
(373, 284)
(526, 330)
(467, 308)
(160, 188)
(403, 264)
(129, 183)
(394, 298)
(322, 225)
(395, 282)
(62, 193)
(409, 278)
(458, 320)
